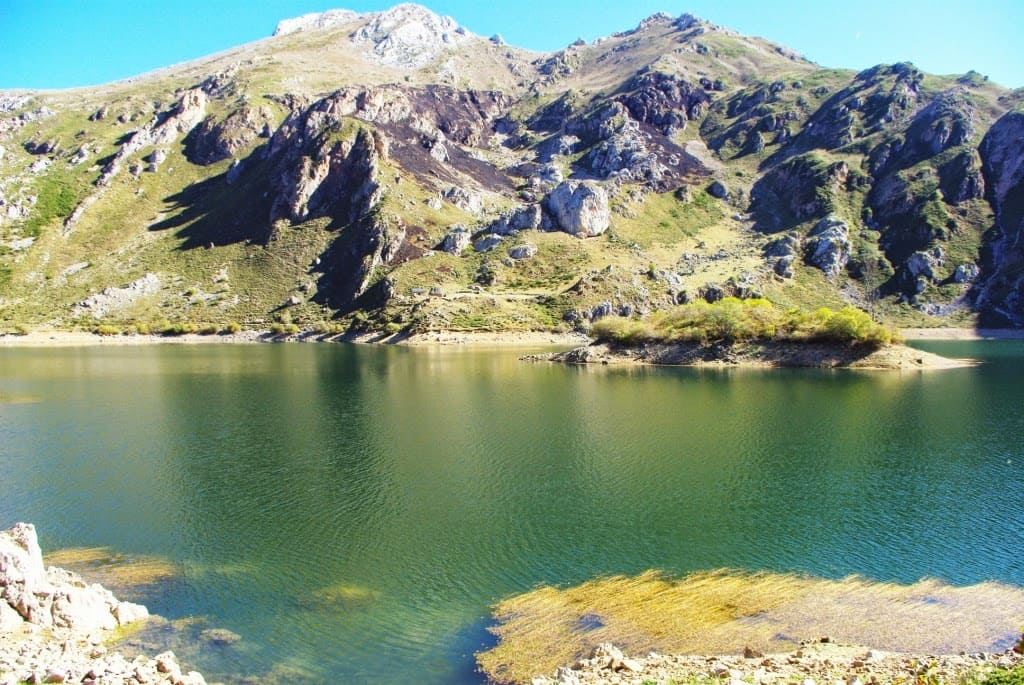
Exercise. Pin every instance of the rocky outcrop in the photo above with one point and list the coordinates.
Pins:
(407, 36)
(351, 262)
(315, 21)
(54, 597)
(336, 178)
(52, 624)
(664, 101)
(524, 218)
(166, 128)
(1002, 154)
(212, 141)
(799, 189)
(579, 208)
(828, 246)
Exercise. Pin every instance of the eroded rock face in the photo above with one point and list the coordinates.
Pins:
(337, 179)
(579, 208)
(212, 141)
(828, 246)
(1002, 154)
(665, 101)
(55, 597)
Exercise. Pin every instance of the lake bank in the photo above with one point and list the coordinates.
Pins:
(476, 338)
(772, 354)
(962, 333)
(821, 661)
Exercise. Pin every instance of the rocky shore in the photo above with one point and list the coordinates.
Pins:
(54, 627)
(758, 354)
(816, 663)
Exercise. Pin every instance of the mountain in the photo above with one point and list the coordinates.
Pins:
(392, 171)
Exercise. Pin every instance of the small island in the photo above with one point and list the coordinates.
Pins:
(752, 332)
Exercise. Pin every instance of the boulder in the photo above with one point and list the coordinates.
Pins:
(717, 189)
(523, 251)
(463, 199)
(965, 273)
(923, 264)
(579, 208)
(786, 246)
(456, 241)
(784, 267)
(524, 218)
(828, 246)
(487, 243)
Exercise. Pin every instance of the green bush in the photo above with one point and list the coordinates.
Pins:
(734, 320)
(1013, 676)
(233, 327)
(106, 330)
(284, 328)
(179, 328)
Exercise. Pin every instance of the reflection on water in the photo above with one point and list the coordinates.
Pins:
(356, 511)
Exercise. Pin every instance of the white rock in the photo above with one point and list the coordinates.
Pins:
(580, 208)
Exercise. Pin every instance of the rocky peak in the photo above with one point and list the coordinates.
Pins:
(407, 36)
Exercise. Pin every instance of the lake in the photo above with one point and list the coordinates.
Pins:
(352, 512)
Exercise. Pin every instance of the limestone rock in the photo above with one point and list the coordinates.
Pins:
(523, 251)
(408, 36)
(923, 264)
(487, 243)
(524, 218)
(315, 20)
(784, 267)
(465, 200)
(828, 246)
(785, 246)
(965, 273)
(579, 208)
(456, 241)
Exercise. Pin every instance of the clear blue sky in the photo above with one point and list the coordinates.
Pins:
(64, 43)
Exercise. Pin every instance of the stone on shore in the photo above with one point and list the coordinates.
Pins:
(53, 624)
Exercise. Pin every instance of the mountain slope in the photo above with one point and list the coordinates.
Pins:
(393, 171)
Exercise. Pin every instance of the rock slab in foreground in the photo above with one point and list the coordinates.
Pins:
(53, 624)
(816, 663)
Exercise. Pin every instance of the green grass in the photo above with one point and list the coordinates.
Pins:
(58, 192)
(663, 220)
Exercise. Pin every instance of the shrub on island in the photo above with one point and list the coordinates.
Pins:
(734, 320)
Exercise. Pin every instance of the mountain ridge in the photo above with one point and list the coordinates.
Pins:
(380, 171)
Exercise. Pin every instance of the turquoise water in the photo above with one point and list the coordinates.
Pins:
(352, 512)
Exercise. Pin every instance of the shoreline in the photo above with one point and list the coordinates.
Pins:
(962, 333)
(444, 338)
(821, 661)
(59, 338)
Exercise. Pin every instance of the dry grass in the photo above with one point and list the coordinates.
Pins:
(722, 611)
